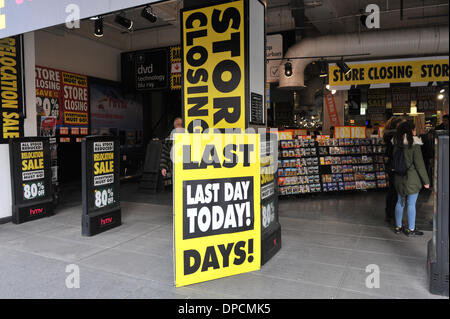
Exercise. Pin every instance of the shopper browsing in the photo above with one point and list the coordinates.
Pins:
(410, 176)
(391, 196)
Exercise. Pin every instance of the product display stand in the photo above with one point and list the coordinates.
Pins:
(331, 165)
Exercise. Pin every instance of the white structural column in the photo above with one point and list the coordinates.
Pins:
(30, 126)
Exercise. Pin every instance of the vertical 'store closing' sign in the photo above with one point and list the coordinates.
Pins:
(217, 223)
(219, 79)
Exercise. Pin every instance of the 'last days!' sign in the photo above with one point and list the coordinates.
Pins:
(217, 223)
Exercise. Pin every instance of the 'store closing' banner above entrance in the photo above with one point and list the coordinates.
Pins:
(217, 222)
(391, 71)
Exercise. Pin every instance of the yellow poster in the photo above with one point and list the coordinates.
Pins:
(391, 71)
(217, 218)
(214, 67)
(350, 132)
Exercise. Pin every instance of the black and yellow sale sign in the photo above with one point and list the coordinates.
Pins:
(214, 67)
(391, 71)
(11, 88)
(217, 211)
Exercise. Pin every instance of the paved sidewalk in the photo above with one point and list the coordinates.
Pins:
(327, 244)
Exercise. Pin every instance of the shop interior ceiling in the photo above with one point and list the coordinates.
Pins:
(307, 17)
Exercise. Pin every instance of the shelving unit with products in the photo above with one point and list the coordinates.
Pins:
(298, 167)
(331, 165)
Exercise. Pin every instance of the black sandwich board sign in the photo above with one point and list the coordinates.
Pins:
(100, 184)
(31, 182)
(270, 225)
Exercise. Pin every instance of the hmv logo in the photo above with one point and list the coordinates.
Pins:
(145, 69)
(105, 221)
(36, 211)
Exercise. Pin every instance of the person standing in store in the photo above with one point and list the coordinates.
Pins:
(409, 185)
(391, 196)
(165, 163)
(444, 124)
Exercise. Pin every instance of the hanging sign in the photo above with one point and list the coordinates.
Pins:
(151, 69)
(12, 88)
(354, 102)
(75, 99)
(274, 50)
(331, 108)
(48, 92)
(217, 221)
(220, 81)
(426, 99)
(63, 95)
(350, 132)
(175, 67)
(376, 101)
(100, 184)
(31, 178)
(391, 71)
(401, 99)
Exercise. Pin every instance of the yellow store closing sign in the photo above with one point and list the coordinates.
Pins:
(391, 71)
(217, 219)
(214, 66)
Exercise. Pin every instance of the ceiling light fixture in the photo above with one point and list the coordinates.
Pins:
(344, 67)
(148, 14)
(124, 22)
(98, 29)
(288, 69)
(323, 68)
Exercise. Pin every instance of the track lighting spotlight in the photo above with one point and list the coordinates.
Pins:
(148, 14)
(98, 31)
(124, 22)
(288, 69)
(344, 67)
(323, 69)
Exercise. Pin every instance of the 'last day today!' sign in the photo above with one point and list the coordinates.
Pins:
(217, 223)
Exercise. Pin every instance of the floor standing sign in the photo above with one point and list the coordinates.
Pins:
(100, 184)
(270, 225)
(217, 181)
(31, 180)
(217, 225)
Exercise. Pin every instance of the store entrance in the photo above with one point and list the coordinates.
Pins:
(103, 71)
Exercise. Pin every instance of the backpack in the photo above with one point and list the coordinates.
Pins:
(398, 163)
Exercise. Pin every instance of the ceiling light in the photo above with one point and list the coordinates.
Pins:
(148, 14)
(442, 91)
(323, 69)
(440, 96)
(98, 29)
(344, 67)
(288, 69)
(124, 22)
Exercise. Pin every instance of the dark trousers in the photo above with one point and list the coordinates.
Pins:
(391, 199)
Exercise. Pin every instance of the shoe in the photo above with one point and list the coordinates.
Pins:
(398, 230)
(412, 233)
